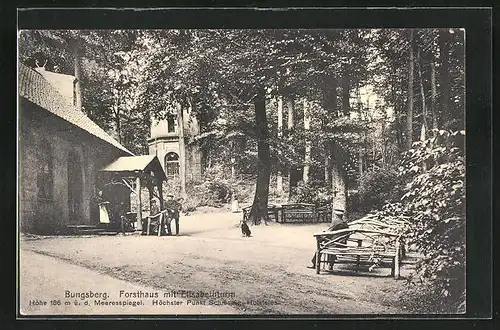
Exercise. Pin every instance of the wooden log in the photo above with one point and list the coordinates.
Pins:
(393, 266)
(356, 253)
(318, 256)
(160, 223)
(358, 256)
(397, 261)
(364, 231)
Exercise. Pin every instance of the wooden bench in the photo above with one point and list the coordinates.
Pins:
(298, 213)
(359, 246)
(272, 212)
(324, 213)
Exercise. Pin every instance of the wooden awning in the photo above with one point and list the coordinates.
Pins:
(132, 165)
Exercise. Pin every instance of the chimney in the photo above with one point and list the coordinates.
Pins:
(66, 85)
(77, 95)
(77, 88)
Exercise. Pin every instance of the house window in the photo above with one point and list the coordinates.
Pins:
(172, 164)
(44, 169)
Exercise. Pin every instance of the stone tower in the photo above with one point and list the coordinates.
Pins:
(164, 143)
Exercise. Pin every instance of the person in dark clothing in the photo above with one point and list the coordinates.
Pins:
(337, 226)
(173, 212)
(153, 210)
(177, 215)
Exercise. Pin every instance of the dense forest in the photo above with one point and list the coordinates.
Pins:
(369, 120)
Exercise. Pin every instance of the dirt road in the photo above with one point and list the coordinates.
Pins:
(48, 283)
(263, 274)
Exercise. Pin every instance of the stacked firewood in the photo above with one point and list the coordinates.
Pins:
(386, 224)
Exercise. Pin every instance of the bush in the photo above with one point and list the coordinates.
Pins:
(244, 191)
(213, 192)
(313, 193)
(376, 187)
(433, 174)
(210, 193)
(435, 198)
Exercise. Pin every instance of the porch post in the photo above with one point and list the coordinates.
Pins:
(162, 215)
(139, 203)
(150, 190)
(160, 193)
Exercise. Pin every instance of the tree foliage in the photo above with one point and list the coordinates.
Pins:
(435, 199)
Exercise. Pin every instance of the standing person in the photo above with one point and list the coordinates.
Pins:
(121, 216)
(103, 210)
(177, 215)
(169, 207)
(153, 212)
(172, 207)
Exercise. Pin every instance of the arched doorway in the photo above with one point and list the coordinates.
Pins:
(171, 164)
(75, 188)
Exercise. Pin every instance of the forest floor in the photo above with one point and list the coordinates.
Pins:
(264, 274)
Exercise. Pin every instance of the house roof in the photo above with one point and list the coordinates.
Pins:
(35, 88)
(130, 164)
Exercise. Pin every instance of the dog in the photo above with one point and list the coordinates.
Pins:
(245, 230)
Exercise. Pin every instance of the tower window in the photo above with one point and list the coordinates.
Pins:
(171, 124)
(172, 164)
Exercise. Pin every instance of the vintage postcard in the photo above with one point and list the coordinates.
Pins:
(171, 172)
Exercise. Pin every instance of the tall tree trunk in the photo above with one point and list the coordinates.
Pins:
(118, 127)
(333, 112)
(328, 166)
(258, 211)
(444, 76)
(182, 148)
(409, 108)
(117, 114)
(422, 97)
(339, 201)
(397, 109)
(433, 98)
(384, 141)
(346, 108)
(279, 178)
(360, 161)
(307, 153)
(78, 75)
(293, 175)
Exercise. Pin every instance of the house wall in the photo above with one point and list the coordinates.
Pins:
(38, 127)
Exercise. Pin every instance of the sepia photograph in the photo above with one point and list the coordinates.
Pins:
(173, 172)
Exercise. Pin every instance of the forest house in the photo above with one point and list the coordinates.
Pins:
(61, 151)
